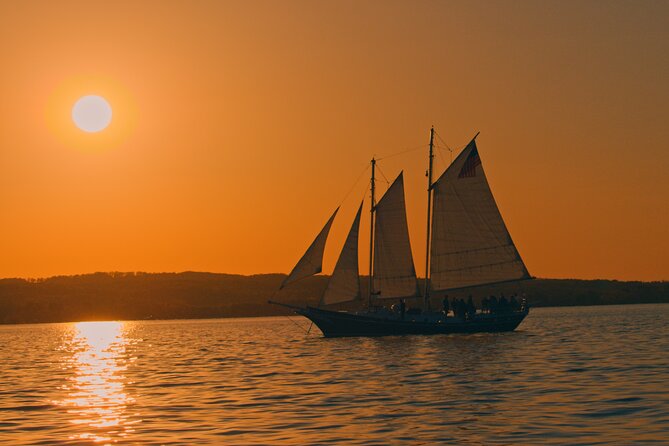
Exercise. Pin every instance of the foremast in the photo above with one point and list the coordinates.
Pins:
(426, 294)
(371, 236)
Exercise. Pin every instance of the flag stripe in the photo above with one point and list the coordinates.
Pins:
(469, 167)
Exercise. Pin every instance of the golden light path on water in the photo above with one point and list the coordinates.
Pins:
(95, 391)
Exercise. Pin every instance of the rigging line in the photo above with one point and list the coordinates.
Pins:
(411, 149)
(382, 174)
(301, 327)
(442, 147)
(441, 155)
(355, 184)
(364, 194)
(288, 317)
(447, 146)
(442, 139)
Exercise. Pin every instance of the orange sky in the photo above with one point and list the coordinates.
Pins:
(238, 127)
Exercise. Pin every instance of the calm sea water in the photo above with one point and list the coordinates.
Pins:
(594, 375)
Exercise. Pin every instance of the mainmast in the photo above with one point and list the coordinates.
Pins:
(426, 295)
(371, 237)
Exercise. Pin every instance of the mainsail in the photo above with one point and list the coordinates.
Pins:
(344, 284)
(470, 243)
(312, 261)
(394, 272)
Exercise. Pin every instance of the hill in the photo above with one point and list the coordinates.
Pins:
(122, 296)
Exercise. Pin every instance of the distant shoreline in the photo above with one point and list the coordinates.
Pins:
(279, 315)
(192, 295)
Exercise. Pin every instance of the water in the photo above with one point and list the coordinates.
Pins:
(594, 375)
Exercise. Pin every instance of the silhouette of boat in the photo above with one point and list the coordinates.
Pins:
(467, 245)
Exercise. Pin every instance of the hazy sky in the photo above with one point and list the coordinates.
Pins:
(239, 126)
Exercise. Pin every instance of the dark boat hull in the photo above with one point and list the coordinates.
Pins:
(340, 324)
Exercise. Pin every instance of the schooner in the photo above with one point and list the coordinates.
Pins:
(467, 245)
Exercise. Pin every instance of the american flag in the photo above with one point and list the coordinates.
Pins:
(469, 167)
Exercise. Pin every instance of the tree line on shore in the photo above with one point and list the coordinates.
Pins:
(128, 296)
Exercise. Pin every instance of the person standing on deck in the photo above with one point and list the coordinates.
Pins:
(461, 311)
(484, 305)
(444, 304)
(493, 304)
(471, 309)
(503, 304)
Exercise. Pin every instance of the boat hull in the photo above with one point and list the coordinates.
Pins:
(340, 324)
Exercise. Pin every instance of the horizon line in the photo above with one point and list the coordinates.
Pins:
(120, 273)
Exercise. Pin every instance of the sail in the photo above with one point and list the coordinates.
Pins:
(344, 285)
(394, 272)
(312, 261)
(470, 243)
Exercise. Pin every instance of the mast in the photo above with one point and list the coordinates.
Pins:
(426, 295)
(371, 238)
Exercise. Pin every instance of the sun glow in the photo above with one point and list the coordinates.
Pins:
(79, 119)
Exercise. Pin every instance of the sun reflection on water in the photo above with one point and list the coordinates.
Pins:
(96, 396)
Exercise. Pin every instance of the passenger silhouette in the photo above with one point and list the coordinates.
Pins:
(493, 304)
(471, 308)
(503, 303)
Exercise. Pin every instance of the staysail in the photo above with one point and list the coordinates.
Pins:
(312, 261)
(344, 284)
(394, 271)
(470, 243)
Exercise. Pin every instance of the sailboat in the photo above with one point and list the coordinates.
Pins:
(467, 245)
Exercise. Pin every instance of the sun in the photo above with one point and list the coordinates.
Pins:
(92, 113)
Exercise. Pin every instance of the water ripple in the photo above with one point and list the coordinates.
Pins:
(566, 376)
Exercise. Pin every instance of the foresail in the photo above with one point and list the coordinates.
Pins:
(470, 243)
(394, 271)
(344, 284)
(312, 261)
